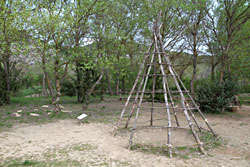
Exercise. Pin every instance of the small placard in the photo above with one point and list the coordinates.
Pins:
(80, 117)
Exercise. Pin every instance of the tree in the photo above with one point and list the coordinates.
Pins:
(81, 14)
(196, 15)
(13, 16)
(226, 20)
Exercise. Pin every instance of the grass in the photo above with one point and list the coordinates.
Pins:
(81, 154)
(179, 152)
(96, 113)
(210, 141)
(244, 100)
(53, 157)
(243, 124)
(30, 91)
(36, 163)
(83, 147)
(20, 163)
(150, 149)
(184, 152)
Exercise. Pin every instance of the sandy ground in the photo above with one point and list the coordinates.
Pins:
(35, 140)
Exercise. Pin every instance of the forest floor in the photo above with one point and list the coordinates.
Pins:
(60, 140)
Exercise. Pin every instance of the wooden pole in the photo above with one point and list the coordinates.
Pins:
(192, 115)
(138, 91)
(202, 115)
(136, 98)
(132, 90)
(172, 104)
(153, 94)
(139, 105)
(158, 35)
(165, 98)
(185, 110)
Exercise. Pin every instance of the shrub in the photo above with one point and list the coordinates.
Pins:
(68, 87)
(214, 97)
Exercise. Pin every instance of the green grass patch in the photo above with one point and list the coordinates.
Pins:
(29, 91)
(150, 149)
(104, 113)
(184, 152)
(210, 141)
(35, 163)
(83, 147)
(62, 157)
(22, 163)
(244, 100)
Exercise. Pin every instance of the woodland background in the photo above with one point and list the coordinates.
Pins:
(86, 48)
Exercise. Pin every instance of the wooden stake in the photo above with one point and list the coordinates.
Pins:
(201, 114)
(136, 98)
(185, 111)
(181, 94)
(139, 104)
(153, 94)
(131, 92)
(165, 98)
(192, 115)
(172, 104)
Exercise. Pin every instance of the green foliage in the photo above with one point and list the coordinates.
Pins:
(210, 141)
(16, 82)
(2, 87)
(30, 91)
(68, 87)
(150, 149)
(244, 88)
(215, 97)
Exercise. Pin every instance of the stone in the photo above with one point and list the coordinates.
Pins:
(45, 106)
(61, 107)
(19, 111)
(66, 111)
(16, 115)
(34, 115)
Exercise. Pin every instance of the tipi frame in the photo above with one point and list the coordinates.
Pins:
(161, 59)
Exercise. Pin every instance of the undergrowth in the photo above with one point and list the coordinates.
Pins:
(185, 152)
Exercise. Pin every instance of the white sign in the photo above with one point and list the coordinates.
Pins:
(81, 116)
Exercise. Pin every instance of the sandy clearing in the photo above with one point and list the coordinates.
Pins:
(34, 140)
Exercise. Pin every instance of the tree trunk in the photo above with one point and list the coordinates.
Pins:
(123, 84)
(87, 95)
(108, 82)
(118, 84)
(118, 76)
(47, 76)
(7, 78)
(222, 68)
(225, 58)
(212, 68)
(45, 92)
(195, 54)
(78, 83)
(58, 87)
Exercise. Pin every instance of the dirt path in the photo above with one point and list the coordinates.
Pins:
(34, 141)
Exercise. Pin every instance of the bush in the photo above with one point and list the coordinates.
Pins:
(214, 97)
(68, 87)
(27, 92)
